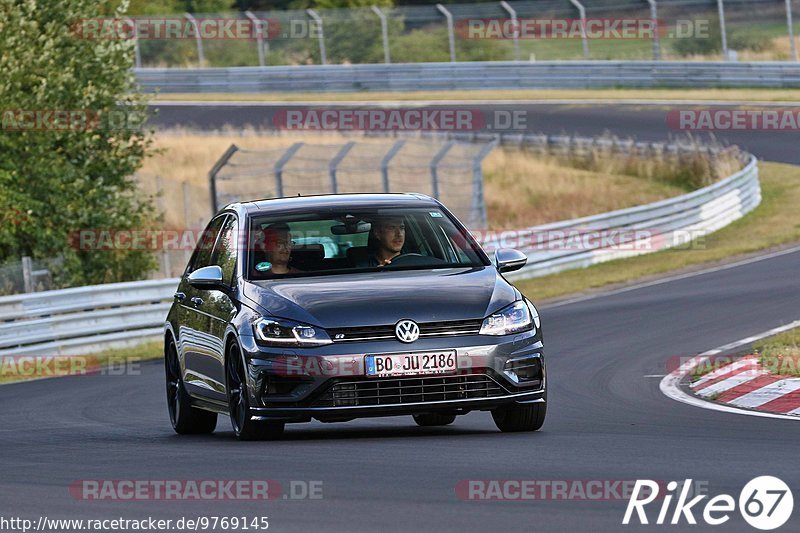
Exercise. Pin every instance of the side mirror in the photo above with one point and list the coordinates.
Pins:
(508, 259)
(209, 277)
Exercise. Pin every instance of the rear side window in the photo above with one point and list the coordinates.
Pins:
(205, 247)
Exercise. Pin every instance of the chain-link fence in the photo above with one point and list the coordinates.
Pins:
(491, 31)
(447, 170)
(27, 275)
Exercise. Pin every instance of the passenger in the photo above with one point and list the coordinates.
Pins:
(277, 252)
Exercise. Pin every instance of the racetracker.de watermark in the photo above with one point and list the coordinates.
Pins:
(562, 28)
(591, 28)
(71, 120)
(45, 366)
(182, 28)
(380, 119)
(527, 239)
(194, 489)
(778, 364)
(734, 119)
(583, 239)
(554, 489)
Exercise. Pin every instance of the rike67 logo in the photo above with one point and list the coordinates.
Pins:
(765, 503)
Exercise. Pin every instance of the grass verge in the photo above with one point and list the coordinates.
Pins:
(775, 222)
(113, 362)
(781, 354)
(733, 95)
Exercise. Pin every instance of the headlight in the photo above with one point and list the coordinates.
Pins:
(288, 333)
(512, 319)
(534, 314)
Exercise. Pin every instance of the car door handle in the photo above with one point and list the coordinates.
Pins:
(197, 301)
(180, 296)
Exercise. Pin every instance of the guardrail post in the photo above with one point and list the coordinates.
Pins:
(656, 38)
(259, 26)
(450, 31)
(584, 38)
(335, 163)
(722, 30)
(435, 167)
(287, 155)
(200, 57)
(790, 28)
(212, 175)
(384, 33)
(137, 54)
(515, 23)
(478, 215)
(318, 21)
(386, 160)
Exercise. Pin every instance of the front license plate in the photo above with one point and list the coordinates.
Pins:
(411, 364)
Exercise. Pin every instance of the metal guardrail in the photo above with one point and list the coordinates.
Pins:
(698, 212)
(87, 319)
(470, 75)
(84, 319)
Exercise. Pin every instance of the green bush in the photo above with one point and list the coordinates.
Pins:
(57, 181)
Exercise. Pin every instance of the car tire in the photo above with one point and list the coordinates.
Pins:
(519, 417)
(434, 419)
(185, 419)
(239, 402)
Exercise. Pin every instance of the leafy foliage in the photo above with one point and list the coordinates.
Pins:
(55, 181)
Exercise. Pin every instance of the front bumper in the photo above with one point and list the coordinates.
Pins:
(329, 382)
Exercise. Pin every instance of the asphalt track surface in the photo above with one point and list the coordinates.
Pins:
(607, 420)
(640, 121)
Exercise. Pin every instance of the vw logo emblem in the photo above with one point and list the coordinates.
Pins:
(407, 331)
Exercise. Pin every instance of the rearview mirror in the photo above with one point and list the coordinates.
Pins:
(508, 259)
(351, 228)
(209, 277)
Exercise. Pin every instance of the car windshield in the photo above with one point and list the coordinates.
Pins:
(347, 241)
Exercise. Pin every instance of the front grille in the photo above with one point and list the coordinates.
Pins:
(387, 391)
(426, 329)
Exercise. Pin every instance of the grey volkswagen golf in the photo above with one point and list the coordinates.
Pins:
(345, 306)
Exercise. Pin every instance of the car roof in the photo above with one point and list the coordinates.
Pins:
(352, 201)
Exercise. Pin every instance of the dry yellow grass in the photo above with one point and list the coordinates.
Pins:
(775, 222)
(780, 50)
(521, 189)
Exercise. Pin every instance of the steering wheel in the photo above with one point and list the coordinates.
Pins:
(409, 258)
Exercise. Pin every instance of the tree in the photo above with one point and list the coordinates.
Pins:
(59, 176)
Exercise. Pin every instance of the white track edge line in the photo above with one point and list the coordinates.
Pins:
(678, 277)
(670, 385)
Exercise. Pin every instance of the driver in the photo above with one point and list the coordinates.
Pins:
(388, 235)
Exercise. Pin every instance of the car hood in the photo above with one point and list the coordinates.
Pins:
(381, 298)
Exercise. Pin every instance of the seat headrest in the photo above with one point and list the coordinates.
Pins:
(307, 255)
